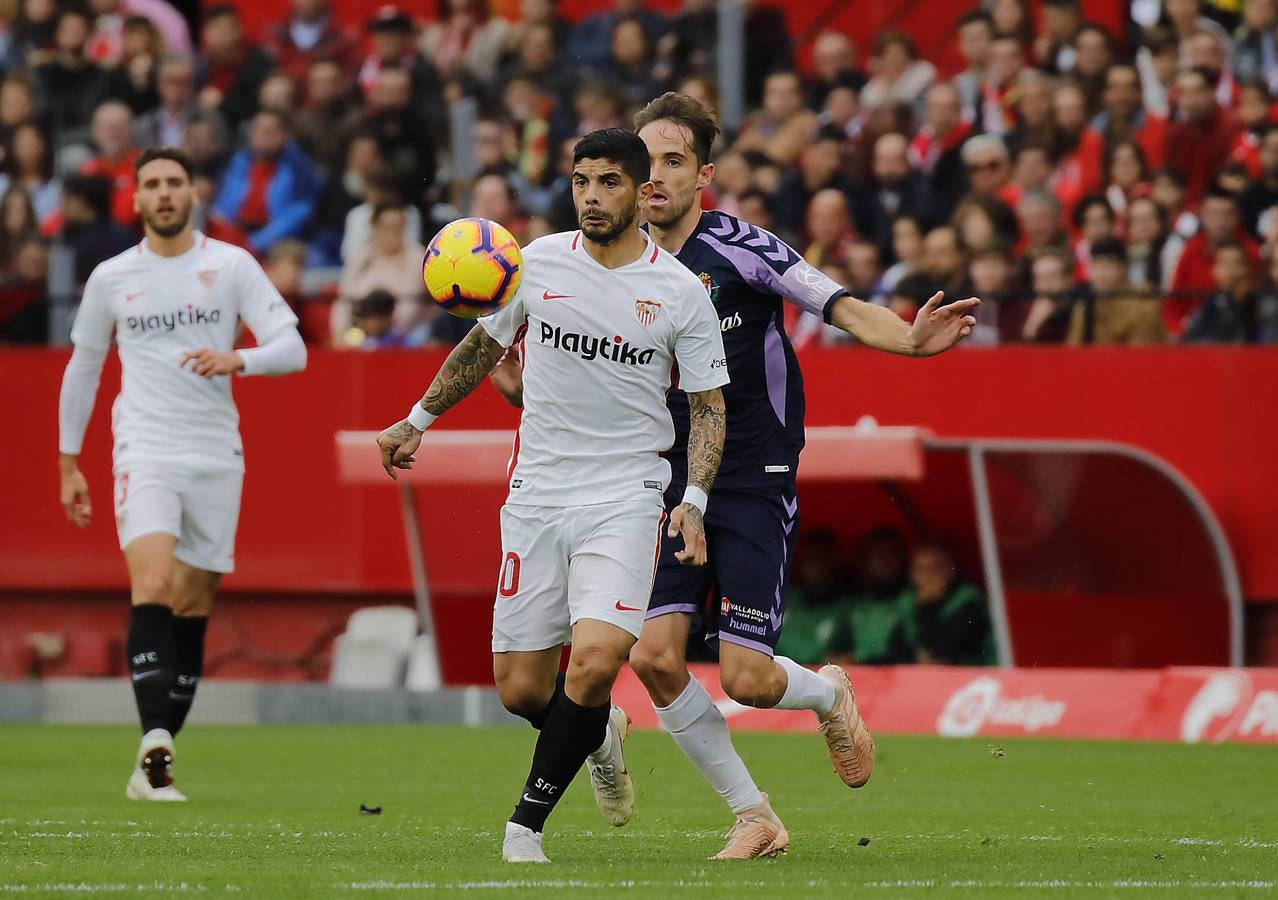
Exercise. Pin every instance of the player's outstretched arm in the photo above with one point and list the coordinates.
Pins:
(467, 366)
(936, 328)
(706, 434)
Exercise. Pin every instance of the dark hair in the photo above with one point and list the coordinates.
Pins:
(73, 9)
(686, 112)
(1099, 29)
(151, 154)
(1140, 158)
(1171, 174)
(382, 209)
(887, 38)
(11, 158)
(1109, 248)
(830, 133)
(1011, 36)
(1062, 4)
(1216, 192)
(755, 193)
(218, 10)
(1087, 202)
(916, 286)
(972, 17)
(94, 190)
(1159, 39)
(1255, 84)
(378, 302)
(1206, 74)
(616, 145)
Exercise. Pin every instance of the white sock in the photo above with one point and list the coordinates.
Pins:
(602, 750)
(804, 689)
(699, 729)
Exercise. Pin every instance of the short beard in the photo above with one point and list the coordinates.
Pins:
(670, 214)
(611, 233)
(168, 231)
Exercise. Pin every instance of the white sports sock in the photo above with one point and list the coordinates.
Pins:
(804, 689)
(699, 729)
(601, 751)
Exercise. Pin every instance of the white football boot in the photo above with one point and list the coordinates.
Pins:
(153, 777)
(522, 845)
(614, 789)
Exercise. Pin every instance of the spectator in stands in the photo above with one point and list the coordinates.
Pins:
(991, 275)
(976, 44)
(987, 163)
(541, 12)
(205, 141)
(375, 322)
(1054, 49)
(829, 227)
(756, 207)
(1255, 53)
(948, 622)
(88, 228)
(907, 250)
(1035, 115)
(388, 263)
(1263, 193)
(468, 39)
(165, 125)
(1169, 193)
(344, 191)
(591, 39)
(878, 604)
(1146, 236)
(530, 111)
(1112, 312)
(207, 219)
(493, 198)
(998, 114)
(1094, 49)
(944, 261)
(69, 86)
(936, 150)
(861, 269)
(536, 59)
(1195, 277)
(1054, 295)
(112, 132)
(1267, 303)
(327, 122)
(403, 135)
(1198, 143)
(1158, 62)
(630, 66)
(1254, 103)
(1123, 118)
(1229, 316)
(17, 106)
(29, 165)
(269, 189)
(1079, 149)
(818, 170)
(24, 298)
(1013, 17)
(106, 43)
(1039, 216)
(231, 70)
(141, 52)
(30, 35)
(909, 294)
(783, 126)
(1093, 219)
(17, 223)
(310, 33)
(1032, 172)
(818, 604)
(278, 93)
(982, 220)
(391, 37)
(1126, 176)
(899, 77)
(833, 65)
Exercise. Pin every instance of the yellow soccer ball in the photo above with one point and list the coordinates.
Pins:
(472, 267)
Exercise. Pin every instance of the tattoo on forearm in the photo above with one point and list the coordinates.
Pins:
(466, 367)
(708, 428)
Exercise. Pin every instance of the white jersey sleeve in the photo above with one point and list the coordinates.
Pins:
(94, 319)
(261, 306)
(503, 326)
(91, 334)
(698, 341)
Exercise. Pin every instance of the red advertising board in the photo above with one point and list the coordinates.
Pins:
(1173, 704)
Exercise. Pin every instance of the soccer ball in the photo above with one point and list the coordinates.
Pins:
(472, 267)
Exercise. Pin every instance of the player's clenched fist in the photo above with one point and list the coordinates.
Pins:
(686, 520)
(397, 445)
(210, 363)
(75, 496)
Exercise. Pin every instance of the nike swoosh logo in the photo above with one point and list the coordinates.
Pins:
(138, 676)
(130, 297)
(549, 296)
(627, 608)
(535, 800)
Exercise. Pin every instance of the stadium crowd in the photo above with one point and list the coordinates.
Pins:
(1091, 187)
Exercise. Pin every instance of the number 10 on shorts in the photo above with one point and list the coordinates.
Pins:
(508, 582)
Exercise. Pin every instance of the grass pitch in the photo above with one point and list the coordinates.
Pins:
(274, 813)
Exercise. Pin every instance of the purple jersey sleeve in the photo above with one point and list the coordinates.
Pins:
(769, 264)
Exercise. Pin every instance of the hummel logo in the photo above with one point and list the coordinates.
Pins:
(535, 800)
(627, 608)
(129, 298)
(549, 296)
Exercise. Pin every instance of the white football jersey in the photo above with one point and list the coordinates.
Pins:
(600, 349)
(159, 307)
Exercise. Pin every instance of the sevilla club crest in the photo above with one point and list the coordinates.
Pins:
(711, 286)
(646, 311)
(208, 278)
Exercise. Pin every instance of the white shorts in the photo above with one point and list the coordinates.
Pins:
(562, 564)
(199, 508)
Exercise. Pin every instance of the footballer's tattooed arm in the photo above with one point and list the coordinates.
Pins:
(463, 370)
(706, 434)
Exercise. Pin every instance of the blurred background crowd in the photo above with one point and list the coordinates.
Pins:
(1090, 186)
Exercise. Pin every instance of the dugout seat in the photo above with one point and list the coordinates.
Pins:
(373, 651)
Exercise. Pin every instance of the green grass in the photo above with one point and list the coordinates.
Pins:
(274, 813)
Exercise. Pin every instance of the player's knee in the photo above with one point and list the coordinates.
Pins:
(752, 685)
(523, 698)
(659, 668)
(153, 587)
(193, 603)
(592, 670)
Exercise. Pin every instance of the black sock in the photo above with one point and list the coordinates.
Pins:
(188, 666)
(151, 658)
(569, 735)
(539, 719)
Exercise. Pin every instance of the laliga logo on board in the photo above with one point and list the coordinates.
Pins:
(1224, 706)
(981, 702)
